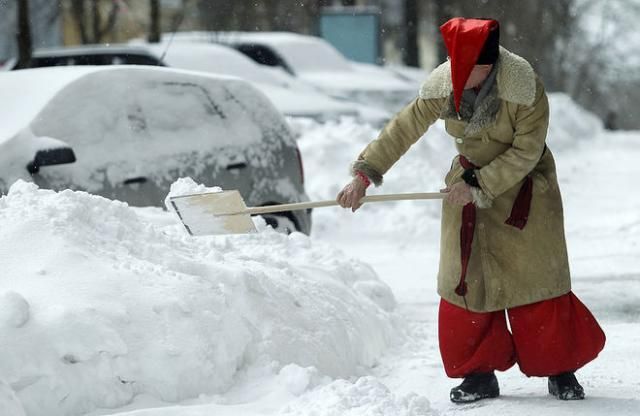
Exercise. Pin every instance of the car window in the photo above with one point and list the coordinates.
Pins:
(95, 59)
(39, 62)
(134, 59)
(262, 55)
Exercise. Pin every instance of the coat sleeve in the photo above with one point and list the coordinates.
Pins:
(395, 139)
(530, 133)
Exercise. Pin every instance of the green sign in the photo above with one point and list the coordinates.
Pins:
(354, 32)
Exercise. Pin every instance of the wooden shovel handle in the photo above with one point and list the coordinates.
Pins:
(318, 204)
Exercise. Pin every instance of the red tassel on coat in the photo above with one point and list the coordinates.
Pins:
(522, 205)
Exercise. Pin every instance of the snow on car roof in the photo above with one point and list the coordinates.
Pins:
(281, 88)
(24, 93)
(211, 58)
(313, 59)
(139, 115)
(303, 53)
(270, 37)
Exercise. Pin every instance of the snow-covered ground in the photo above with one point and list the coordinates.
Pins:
(111, 310)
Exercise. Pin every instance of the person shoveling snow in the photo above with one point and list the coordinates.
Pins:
(502, 245)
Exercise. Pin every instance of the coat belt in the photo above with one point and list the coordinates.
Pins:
(518, 218)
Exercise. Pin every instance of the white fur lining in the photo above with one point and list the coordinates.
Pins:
(480, 198)
(516, 80)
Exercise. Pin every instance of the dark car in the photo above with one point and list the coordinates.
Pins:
(91, 55)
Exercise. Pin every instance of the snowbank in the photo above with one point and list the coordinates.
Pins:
(570, 124)
(367, 396)
(98, 305)
(303, 392)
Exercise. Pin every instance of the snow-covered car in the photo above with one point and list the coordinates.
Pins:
(289, 95)
(316, 62)
(128, 132)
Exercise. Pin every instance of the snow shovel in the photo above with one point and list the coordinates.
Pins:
(226, 213)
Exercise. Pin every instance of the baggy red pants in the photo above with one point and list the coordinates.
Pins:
(546, 338)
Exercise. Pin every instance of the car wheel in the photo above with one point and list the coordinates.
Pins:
(280, 223)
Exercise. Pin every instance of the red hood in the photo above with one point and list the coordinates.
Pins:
(464, 39)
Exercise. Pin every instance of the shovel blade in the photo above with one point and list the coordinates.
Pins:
(213, 213)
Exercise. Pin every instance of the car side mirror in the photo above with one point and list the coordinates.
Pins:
(48, 157)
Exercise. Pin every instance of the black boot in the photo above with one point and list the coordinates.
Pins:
(565, 387)
(476, 387)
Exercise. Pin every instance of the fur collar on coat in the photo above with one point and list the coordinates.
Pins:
(515, 83)
(516, 80)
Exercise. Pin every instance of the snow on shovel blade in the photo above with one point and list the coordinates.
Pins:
(213, 213)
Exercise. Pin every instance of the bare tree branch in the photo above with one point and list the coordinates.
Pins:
(154, 21)
(111, 21)
(95, 20)
(78, 13)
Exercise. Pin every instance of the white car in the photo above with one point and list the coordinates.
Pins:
(128, 132)
(316, 62)
(291, 97)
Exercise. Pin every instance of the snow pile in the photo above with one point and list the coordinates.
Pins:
(187, 186)
(98, 306)
(570, 124)
(367, 396)
(295, 390)
(9, 403)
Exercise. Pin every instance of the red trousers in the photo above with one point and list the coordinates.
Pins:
(546, 338)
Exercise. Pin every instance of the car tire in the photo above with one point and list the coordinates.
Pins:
(280, 223)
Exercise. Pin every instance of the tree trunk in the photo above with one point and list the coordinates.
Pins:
(78, 13)
(443, 11)
(411, 52)
(95, 19)
(25, 45)
(154, 26)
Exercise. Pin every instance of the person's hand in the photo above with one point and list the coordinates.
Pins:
(458, 194)
(351, 194)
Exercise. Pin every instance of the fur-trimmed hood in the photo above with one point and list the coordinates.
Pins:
(516, 80)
